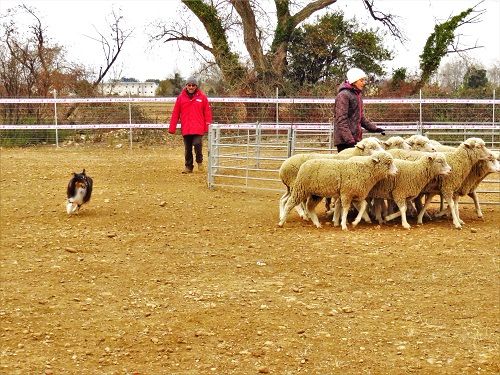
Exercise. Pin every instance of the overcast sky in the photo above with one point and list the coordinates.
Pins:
(70, 22)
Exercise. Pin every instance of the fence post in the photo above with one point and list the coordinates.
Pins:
(420, 112)
(130, 119)
(331, 141)
(55, 118)
(277, 113)
(289, 141)
(258, 140)
(211, 154)
(493, 119)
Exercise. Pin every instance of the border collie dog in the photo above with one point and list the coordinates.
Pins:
(78, 192)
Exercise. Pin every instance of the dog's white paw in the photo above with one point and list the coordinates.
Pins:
(71, 208)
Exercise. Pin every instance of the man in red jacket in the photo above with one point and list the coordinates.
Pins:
(194, 111)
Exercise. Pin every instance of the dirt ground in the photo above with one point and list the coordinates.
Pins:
(160, 275)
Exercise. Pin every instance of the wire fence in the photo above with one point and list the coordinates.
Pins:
(110, 120)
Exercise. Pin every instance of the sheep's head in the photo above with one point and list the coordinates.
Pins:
(439, 161)
(419, 142)
(384, 160)
(396, 143)
(477, 147)
(492, 163)
(369, 145)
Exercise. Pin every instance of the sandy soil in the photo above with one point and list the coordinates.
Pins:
(159, 275)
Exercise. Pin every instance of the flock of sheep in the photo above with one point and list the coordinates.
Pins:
(398, 174)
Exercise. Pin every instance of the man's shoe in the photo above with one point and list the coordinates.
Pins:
(201, 167)
(187, 170)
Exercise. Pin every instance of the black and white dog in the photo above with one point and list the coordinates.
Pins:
(79, 191)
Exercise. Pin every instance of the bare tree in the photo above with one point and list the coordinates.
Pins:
(493, 74)
(267, 51)
(31, 64)
(111, 44)
(451, 74)
(31, 56)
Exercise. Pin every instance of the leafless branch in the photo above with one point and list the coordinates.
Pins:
(387, 20)
(113, 46)
(172, 35)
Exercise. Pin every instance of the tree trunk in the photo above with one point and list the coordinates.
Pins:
(227, 61)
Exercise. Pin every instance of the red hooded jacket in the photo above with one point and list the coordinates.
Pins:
(195, 113)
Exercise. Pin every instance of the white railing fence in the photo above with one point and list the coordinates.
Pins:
(73, 120)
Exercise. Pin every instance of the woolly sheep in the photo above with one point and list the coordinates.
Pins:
(420, 143)
(391, 143)
(461, 160)
(411, 178)
(290, 167)
(363, 147)
(409, 154)
(477, 174)
(396, 142)
(349, 180)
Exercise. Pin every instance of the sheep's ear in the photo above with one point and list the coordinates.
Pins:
(83, 171)
(430, 157)
(361, 147)
(385, 143)
(375, 159)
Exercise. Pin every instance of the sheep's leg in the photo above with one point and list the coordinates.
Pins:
(378, 210)
(401, 203)
(410, 208)
(449, 199)
(301, 210)
(290, 204)
(283, 200)
(419, 205)
(457, 211)
(336, 213)
(361, 211)
(328, 204)
(421, 214)
(390, 208)
(365, 215)
(473, 195)
(311, 204)
(442, 212)
(331, 211)
(346, 203)
(385, 207)
(393, 216)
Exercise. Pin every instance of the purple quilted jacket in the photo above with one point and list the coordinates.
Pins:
(349, 116)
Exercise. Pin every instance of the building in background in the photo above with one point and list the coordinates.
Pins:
(128, 88)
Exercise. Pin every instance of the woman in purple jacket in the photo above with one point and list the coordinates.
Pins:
(349, 115)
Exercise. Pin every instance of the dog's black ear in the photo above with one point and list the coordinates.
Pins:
(83, 171)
